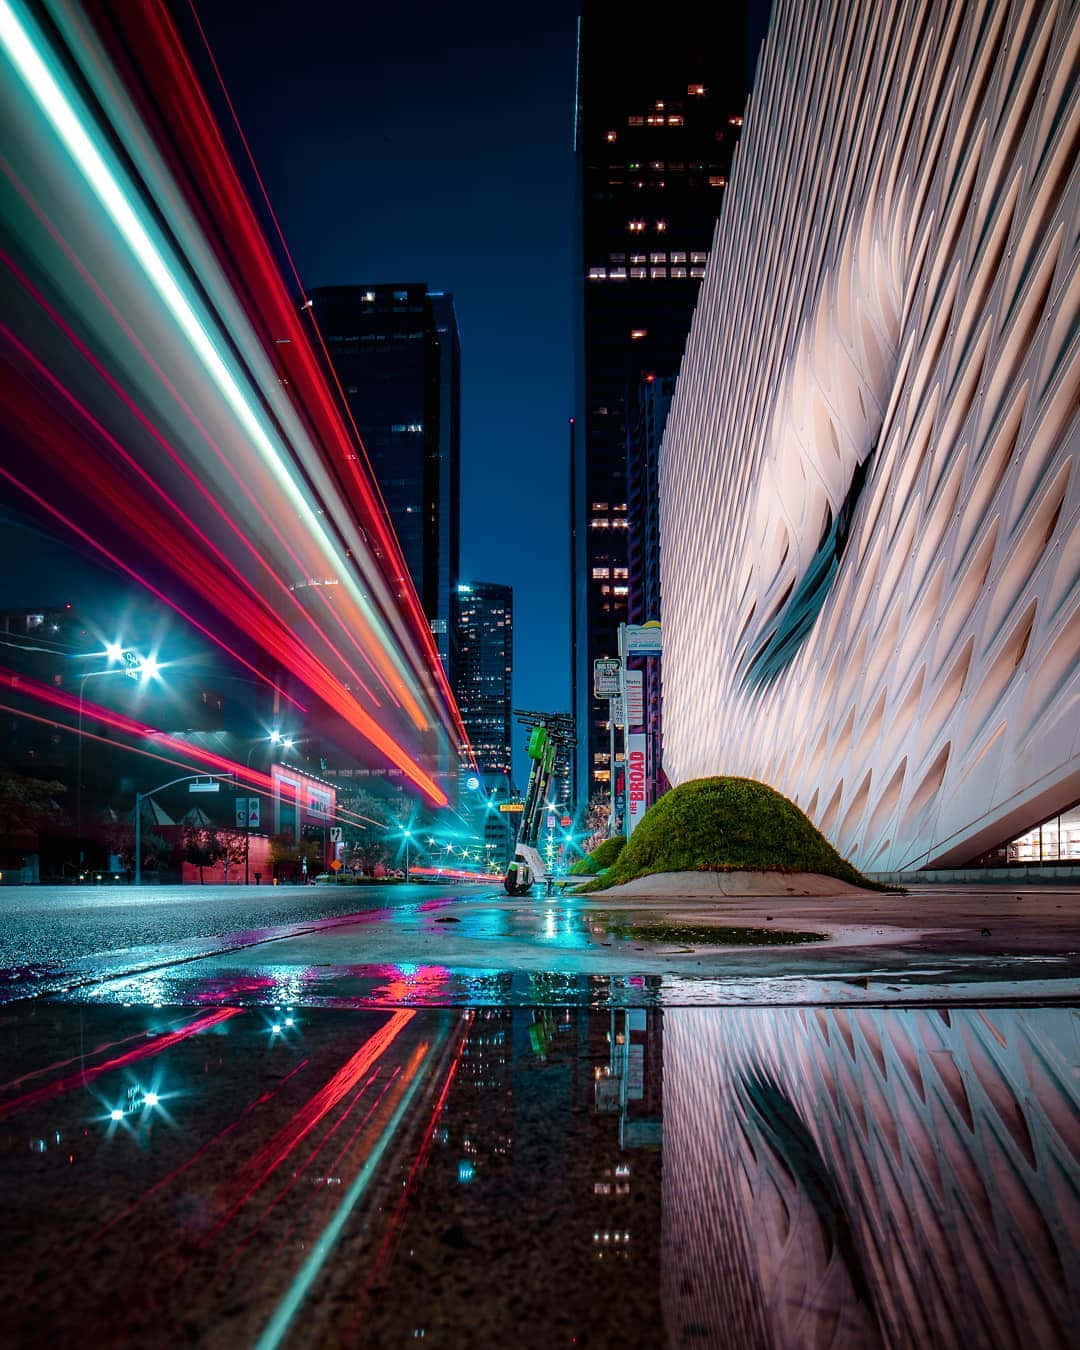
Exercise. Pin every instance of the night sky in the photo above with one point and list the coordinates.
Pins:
(433, 143)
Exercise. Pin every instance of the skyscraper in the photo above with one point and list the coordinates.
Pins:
(658, 116)
(485, 636)
(396, 351)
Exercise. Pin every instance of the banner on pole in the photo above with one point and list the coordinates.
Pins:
(635, 698)
(636, 776)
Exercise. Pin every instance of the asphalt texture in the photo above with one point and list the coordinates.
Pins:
(48, 933)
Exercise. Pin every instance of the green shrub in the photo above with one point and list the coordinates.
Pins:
(599, 858)
(726, 825)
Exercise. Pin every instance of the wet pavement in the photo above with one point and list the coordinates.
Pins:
(539, 1176)
(455, 1119)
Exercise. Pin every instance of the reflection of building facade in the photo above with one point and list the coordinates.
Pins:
(841, 1177)
(658, 118)
(868, 490)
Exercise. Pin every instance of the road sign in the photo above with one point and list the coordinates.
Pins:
(616, 713)
(605, 677)
(132, 665)
(551, 822)
(335, 865)
(511, 806)
(644, 639)
(335, 834)
(565, 821)
(254, 817)
(203, 787)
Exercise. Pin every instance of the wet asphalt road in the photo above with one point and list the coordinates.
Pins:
(51, 926)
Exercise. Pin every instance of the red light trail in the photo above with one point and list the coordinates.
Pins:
(85, 1077)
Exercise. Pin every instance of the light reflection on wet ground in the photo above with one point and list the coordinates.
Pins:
(831, 979)
(270, 1173)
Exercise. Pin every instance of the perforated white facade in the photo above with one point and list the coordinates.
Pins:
(869, 495)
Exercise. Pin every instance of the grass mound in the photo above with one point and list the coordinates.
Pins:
(698, 935)
(726, 825)
(599, 858)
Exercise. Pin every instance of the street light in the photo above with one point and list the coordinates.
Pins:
(114, 652)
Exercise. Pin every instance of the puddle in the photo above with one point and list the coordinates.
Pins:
(538, 1176)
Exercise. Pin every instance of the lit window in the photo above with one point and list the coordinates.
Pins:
(661, 226)
(622, 590)
(638, 273)
(633, 166)
(599, 524)
(658, 257)
(620, 573)
(638, 258)
(678, 257)
(696, 90)
(657, 165)
(656, 121)
(659, 105)
(605, 590)
(601, 573)
(610, 136)
(636, 226)
(635, 121)
(368, 297)
(717, 180)
(597, 273)
(675, 121)
(699, 257)
(617, 257)
(636, 334)
(599, 506)
(657, 272)
(735, 121)
(678, 271)
(697, 272)
(617, 274)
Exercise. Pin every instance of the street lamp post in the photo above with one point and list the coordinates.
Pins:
(408, 839)
(114, 652)
(141, 796)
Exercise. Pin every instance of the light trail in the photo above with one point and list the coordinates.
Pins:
(50, 98)
(85, 1077)
(305, 1278)
(270, 1157)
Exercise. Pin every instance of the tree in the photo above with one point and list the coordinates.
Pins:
(28, 805)
(120, 839)
(234, 846)
(202, 847)
(366, 855)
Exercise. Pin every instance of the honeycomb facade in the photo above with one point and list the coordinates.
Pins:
(869, 496)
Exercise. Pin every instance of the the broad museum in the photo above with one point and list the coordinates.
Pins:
(870, 495)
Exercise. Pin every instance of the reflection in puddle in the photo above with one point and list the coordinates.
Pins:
(543, 1175)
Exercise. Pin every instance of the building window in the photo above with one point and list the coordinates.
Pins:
(675, 120)
(696, 90)
(678, 272)
(635, 121)
(678, 257)
(661, 226)
(601, 573)
(638, 258)
(699, 257)
(658, 257)
(657, 165)
(735, 121)
(597, 273)
(636, 226)
(636, 334)
(657, 272)
(620, 573)
(617, 274)
(638, 273)
(610, 137)
(697, 272)
(717, 180)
